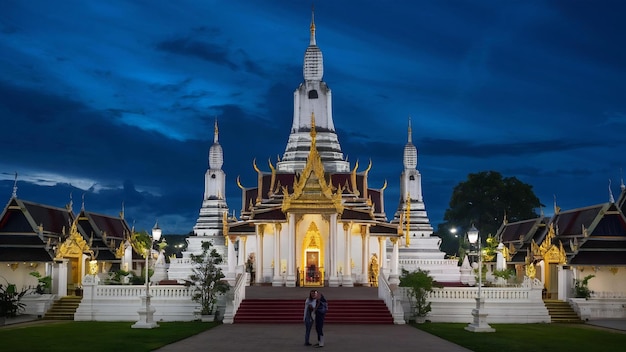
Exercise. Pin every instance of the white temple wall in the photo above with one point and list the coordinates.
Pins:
(606, 283)
(18, 273)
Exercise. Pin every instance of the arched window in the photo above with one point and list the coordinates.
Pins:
(313, 94)
(412, 178)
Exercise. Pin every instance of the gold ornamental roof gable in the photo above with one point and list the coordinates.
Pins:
(311, 191)
(549, 251)
(74, 246)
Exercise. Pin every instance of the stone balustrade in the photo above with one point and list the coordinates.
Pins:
(522, 304)
(122, 302)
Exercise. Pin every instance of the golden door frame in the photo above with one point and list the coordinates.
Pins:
(312, 254)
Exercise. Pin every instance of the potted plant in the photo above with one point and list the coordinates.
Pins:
(581, 287)
(207, 280)
(418, 284)
(44, 283)
(10, 301)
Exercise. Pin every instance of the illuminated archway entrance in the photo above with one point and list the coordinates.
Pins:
(312, 258)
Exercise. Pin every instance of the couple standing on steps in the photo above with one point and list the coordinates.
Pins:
(315, 308)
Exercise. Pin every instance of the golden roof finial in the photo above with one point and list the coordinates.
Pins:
(557, 209)
(313, 131)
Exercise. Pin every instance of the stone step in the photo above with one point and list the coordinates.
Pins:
(561, 312)
(63, 309)
(286, 311)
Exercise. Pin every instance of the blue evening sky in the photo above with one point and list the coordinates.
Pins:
(115, 101)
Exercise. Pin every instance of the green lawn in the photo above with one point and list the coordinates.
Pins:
(94, 336)
(530, 337)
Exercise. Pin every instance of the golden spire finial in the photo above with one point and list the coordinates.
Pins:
(313, 131)
(557, 209)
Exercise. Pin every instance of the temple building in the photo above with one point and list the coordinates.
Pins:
(312, 219)
(61, 244)
(571, 245)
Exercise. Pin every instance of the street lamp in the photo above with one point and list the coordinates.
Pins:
(146, 315)
(480, 317)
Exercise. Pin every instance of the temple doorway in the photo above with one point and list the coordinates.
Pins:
(313, 273)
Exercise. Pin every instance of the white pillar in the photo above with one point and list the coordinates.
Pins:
(241, 255)
(333, 242)
(382, 243)
(347, 267)
(232, 261)
(394, 278)
(259, 257)
(291, 277)
(278, 279)
(565, 277)
(59, 277)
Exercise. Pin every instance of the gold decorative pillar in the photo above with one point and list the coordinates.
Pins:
(364, 249)
(382, 252)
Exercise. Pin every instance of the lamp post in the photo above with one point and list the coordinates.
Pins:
(480, 317)
(146, 313)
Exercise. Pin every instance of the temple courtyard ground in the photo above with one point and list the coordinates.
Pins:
(603, 335)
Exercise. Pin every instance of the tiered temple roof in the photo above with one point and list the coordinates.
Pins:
(35, 232)
(588, 236)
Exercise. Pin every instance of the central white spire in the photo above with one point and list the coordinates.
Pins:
(313, 59)
(410, 151)
(313, 97)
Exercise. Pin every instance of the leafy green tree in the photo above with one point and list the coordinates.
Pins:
(207, 278)
(419, 283)
(483, 200)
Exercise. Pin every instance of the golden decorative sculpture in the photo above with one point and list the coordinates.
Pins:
(373, 270)
(93, 267)
(310, 189)
(531, 272)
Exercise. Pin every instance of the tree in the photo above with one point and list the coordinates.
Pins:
(483, 200)
(419, 283)
(207, 278)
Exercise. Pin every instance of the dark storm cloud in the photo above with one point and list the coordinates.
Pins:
(195, 48)
(117, 100)
(449, 147)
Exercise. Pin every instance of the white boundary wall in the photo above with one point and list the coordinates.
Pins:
(600, 308)
(517, 305)
(122, 302)
(522, 304)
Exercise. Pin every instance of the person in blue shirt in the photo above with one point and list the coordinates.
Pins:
(321, 308)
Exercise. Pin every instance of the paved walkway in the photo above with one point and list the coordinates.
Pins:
(290, 337)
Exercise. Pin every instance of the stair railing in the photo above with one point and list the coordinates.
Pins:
(239, 294)
(392, 301)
